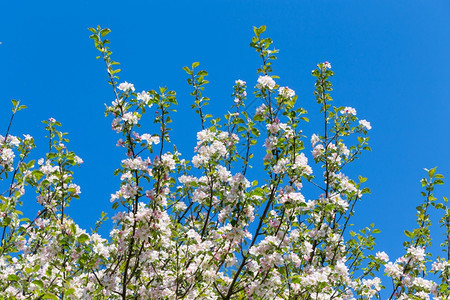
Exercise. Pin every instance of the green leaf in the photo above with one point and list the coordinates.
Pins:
(259, 30)
(258, 192)
(69, 291)
(6, 221)
(82, 238)
(37, 174)
(104, 32)
(50, 296)
(431, 172)
(39, 283)
(13, 277)
(187, 70)
(21, 107)
(255, 132)
(423, 182)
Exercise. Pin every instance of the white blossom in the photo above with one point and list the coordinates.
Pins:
(265, 82)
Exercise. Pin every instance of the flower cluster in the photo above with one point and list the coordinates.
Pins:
(286, 92)
(266, 82)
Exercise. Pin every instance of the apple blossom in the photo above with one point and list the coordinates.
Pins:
(205, 228)
(266, 82)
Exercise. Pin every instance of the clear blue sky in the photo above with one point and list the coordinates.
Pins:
(391, 60)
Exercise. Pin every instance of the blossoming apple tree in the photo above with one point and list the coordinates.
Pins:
(201, 228)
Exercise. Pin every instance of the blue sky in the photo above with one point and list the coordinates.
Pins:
(390, 57)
